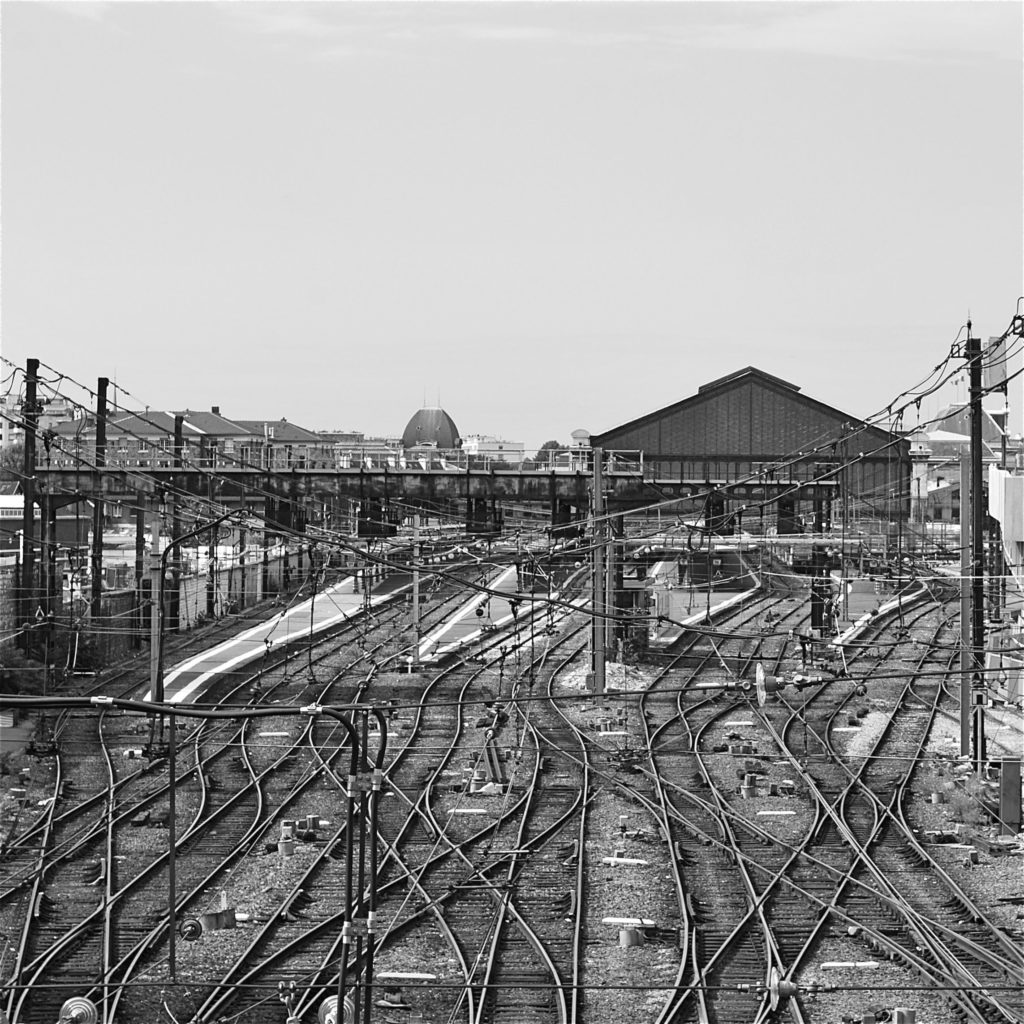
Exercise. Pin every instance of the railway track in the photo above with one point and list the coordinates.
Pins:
(516, 822)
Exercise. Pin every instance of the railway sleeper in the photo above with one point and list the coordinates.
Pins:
(569, 853)
(291, 911)
(683, 856)
(663, 935)
(565, 905)
(95, 871)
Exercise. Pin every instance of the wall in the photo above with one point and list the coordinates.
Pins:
(1006, 503)
(240, 586)
(8, 579)
(123, 627)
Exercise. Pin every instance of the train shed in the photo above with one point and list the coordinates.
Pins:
(753, 426)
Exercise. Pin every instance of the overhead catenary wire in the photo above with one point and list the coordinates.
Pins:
(62, 377)
(916, 392)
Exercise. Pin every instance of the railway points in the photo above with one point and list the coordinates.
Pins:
(628, 855)
(688, 846)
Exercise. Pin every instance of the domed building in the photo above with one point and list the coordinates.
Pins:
(431, 427)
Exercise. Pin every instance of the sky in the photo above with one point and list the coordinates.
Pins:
(542, 217)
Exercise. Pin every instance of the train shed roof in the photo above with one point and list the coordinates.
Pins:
(749, 413)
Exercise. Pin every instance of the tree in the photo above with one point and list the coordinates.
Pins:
(547, 446)
(12, 459)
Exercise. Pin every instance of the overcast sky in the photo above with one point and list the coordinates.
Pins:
(549, 216)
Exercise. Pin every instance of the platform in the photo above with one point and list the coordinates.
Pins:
(686, 609)
(689, 606)
(331, 606)
(485, 614)
(15, 738)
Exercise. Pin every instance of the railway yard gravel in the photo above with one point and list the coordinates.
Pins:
(633, 981)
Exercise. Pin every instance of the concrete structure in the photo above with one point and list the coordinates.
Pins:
(51, 412)
(487, 447)
(219, 439)
(72, 521)
(1006, 505)
(353, 448)
(280, 445)
(145, 440)
(936, 485)
(134, 440)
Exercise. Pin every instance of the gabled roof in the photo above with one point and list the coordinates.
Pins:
(282, 431)
(748, 412)
(151, 423)
(148, 424)
(747, 371)
(85, 426)
(957, 419)
(214, 424)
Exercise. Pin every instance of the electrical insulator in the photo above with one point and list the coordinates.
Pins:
(766, 684)
(328, 1012)
(779, 989)
(78, 1010)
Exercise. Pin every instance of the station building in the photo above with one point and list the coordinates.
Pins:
(753, 426)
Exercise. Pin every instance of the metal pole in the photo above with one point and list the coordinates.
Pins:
(140, 567)
(416, 589)
(598, 595)
(174, 604)
(350, 815)
(30, 416)
(95, 608)
(977, 554)
(371, 914)
(211, 562)
(707, 609)
(610, 569)
(360, 911)
(53, 595)
(846, 518)
(172, 825)
(241, 568)
(156, 614)
(965, 606)
(265, 570)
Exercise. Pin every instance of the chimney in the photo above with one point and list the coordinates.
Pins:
(215, 409)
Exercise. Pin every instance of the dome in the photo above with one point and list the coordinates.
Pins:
(432, 427)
